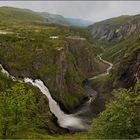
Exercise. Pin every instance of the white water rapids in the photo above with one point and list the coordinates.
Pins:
(64, 120)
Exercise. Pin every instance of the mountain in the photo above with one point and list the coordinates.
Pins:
(112, 29)
(58, 19)
(116, 20)
(11, 13)
(18, 14)
(119, 37)
(54, 18)
(79, 22)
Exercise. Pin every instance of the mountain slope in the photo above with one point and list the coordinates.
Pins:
(116, 21)
(120, 39)
(54, 18)
(10, 13)
(116, 38)
(127, 71)
(58, 19)
(114, 29)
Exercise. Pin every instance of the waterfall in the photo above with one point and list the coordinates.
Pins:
(64, 120)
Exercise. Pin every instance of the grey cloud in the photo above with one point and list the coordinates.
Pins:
(92, 10)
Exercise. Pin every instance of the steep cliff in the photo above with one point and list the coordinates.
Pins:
(127, 71)
(115, 29)
(120, 39)
(62, 62)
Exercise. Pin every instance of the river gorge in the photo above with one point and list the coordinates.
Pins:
(74, 121)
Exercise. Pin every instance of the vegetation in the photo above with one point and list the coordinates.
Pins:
(121, 119)
(16, 14)
(4, 82)
(113, 53)
(15, 110)
(117, 20)
(53, 18)
(22, 114)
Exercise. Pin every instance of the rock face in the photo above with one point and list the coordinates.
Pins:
(62, 70)
(104, 31)
(120, 38)
(128, 70)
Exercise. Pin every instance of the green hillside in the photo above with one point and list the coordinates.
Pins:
(116, 20)
(10, 13)
(54, 18)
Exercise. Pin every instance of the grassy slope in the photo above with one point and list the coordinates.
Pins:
(10, 13)
(113, 53)
(117, 20)
(53, 18)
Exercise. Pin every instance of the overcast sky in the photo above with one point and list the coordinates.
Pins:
(91, 10)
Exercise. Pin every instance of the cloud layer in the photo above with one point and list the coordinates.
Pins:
(91, 10)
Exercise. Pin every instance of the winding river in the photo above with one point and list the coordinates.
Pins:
(105, 73)
(72, 121)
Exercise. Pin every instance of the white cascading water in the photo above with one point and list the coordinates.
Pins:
(64, 120)
(7, 74)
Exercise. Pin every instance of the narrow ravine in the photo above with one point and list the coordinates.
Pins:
(84, 111)
(73, 122)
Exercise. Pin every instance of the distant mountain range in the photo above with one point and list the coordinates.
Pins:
(11, 13)
(79, 22)
(54, 18)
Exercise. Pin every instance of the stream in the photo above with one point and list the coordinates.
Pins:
(105, 73)
(76, 121)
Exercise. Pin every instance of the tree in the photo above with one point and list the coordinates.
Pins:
(121, 119)
(17, 107)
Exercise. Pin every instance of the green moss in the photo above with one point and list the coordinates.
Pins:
(9, 13)
(71, 98)
(47, 70)
(36, 135)
(5, 82)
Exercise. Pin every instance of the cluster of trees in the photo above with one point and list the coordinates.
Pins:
(19, 112)
(16, 110)
(121, 118)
